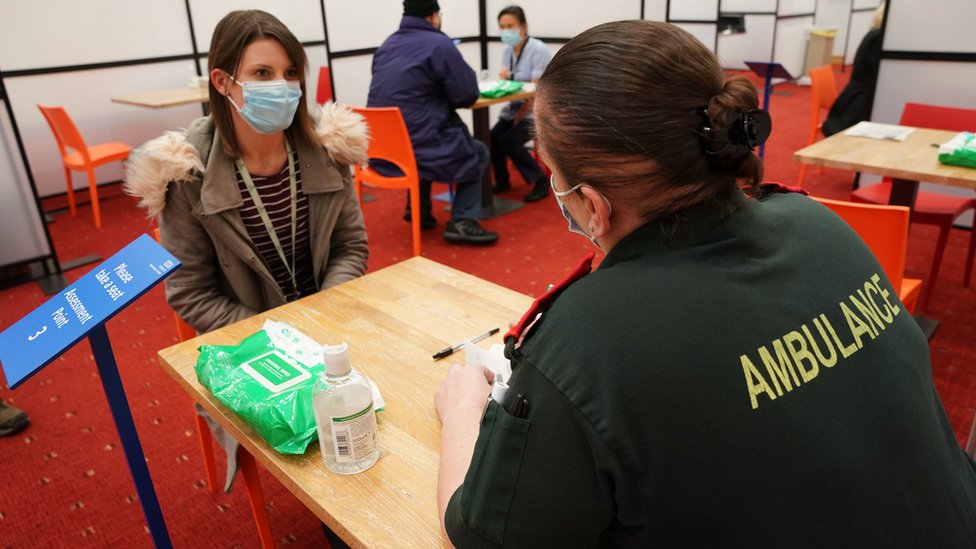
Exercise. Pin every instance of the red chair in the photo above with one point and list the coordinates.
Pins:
(390, 141)
(81, 157)
(932, 208)
(885, 231)
(248, 467)
(323, 92)
(823, 92)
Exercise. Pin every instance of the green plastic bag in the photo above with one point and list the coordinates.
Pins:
(267, 380)
(500, 88)
(959, 151)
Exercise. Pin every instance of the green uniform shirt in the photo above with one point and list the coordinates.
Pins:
(753, 382)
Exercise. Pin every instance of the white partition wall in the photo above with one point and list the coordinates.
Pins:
(56, 33)
(89, 54)
(656, 10)
(928, 56)
(778, 30)
(836, 14)
(693, 10)
(860, 24)
(20, 220)
(97, 50)
(790, 46)
(756, 44)
(561, 19)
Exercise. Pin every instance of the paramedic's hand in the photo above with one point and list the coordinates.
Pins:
(461, 401)
(464, 387)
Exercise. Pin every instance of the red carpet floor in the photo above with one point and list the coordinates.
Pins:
(64, 481)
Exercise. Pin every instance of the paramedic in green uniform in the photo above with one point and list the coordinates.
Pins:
(737, 372)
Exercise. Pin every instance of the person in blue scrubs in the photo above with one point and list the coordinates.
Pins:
(524, 59)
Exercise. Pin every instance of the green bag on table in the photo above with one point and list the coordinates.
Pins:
(959, 151)
(499, 88)
(267, 380)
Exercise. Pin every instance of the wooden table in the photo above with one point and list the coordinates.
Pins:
(492, 206)
(906, 162)
(393, 320)
(166, 98)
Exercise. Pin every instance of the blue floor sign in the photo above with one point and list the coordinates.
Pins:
(55, 326)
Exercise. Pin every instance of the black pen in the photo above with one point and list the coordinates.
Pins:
(519, 406)
(450, 350)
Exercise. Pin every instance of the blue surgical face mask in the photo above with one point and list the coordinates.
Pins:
(511, 36)
(270, 106)
(574, 227)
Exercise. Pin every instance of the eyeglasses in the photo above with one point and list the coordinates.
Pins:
(560, 194)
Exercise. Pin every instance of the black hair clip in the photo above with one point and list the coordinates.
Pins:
(724, 147)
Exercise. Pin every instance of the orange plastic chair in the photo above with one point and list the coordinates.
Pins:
(389, 141)
(323, 92)
(823, 92)
(932, 208)
(885, 230)
(82, 158)
(249, 470)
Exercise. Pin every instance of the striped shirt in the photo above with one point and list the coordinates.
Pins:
(275, 194)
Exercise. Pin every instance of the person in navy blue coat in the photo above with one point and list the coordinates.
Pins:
(419, 69)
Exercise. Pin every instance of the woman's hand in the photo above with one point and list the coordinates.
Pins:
(504, 74)
(463, 386)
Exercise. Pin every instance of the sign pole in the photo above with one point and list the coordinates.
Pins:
(767, 91)
(81, 311)
(119, 404)
(767, 70)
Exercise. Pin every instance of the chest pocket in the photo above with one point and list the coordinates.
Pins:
(489, 485)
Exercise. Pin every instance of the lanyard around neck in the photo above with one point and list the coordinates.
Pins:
(516, 57)
(263, 212)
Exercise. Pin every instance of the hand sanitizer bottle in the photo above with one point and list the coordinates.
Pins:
(344, 415)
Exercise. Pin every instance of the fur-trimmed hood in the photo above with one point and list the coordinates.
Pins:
(170, 157)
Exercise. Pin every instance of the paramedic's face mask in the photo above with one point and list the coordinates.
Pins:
(574, 227)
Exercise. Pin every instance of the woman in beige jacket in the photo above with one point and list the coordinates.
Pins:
(256, 200)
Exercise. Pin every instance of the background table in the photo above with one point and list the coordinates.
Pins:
(393, 320)
(166, 98)
(492, 206)
(906, 162)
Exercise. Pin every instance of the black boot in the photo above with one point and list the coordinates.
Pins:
(468, 231)
(427, 219)
(539, 191)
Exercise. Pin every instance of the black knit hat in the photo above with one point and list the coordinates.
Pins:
(420, 8)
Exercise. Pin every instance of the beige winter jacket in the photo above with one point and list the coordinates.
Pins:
(186, 180)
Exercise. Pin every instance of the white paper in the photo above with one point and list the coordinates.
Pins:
(493, 359)
(873, 130)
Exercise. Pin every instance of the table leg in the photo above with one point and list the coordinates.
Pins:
(903, 193)
(491, 206)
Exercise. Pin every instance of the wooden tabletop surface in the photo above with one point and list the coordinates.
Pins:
(166, 98)
(915, 158)
(483, 102)
(393, 319)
